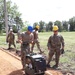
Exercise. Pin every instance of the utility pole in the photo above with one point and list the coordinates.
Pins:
(6, 18)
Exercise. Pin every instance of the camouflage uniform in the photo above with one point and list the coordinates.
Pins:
(36, 41)
(55, 43)
(11, 39)
(25, 46)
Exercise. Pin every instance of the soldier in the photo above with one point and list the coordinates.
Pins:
(55, 44)
(25, 39)
(35, 32)
(11, 39)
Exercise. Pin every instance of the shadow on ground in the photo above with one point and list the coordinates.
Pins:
(16, 72)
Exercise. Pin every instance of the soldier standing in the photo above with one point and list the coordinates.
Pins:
(36, 41)
(11, 39)
(55, 44)
(25, 39)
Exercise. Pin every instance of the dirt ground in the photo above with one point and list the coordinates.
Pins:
(9, 65)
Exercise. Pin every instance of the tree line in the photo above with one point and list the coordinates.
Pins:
(63, 26)
(15, 20)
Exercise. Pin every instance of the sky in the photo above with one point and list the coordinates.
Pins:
(46, 10)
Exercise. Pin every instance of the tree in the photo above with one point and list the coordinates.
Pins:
(58, 23)
(50, 26)
(13, 10)
(41, 24)
(72, 24)
(36, 23)
(19, 22)
(47, 28)
(65, 25)
(1, 16)
(12, 13)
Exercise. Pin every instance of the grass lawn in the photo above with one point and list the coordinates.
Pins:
(67, 60)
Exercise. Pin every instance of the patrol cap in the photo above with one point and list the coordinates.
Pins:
(30, 28)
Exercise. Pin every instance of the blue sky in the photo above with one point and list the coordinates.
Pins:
(46, 10)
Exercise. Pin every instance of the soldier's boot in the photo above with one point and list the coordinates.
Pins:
(48, 66)
(56, 65)
(48, 63)
(9, 47)
(41, 51)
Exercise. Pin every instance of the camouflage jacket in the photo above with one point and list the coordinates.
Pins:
(55, 41)
(11, 37)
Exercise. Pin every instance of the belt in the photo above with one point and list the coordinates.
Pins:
(25, 43)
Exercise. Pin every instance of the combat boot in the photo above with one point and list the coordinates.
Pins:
(55, 66)
(48, 66)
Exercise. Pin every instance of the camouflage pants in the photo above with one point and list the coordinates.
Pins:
(57, 55)
(12, 44)
(24, 52)
(38, 46)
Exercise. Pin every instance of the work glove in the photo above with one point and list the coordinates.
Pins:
(62, 51)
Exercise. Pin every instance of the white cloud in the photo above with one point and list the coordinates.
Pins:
(46, 10)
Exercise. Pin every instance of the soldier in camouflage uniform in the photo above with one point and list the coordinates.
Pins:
(11, 39)
(55, 44)
(36, 41)
(25, 39)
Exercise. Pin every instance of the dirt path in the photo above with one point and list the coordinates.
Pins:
(9, 65)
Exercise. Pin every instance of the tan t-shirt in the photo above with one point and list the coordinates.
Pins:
(27, 37)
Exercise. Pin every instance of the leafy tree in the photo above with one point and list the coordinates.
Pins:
(65, 25)
(12, 10)
(1, 16)
(19, 22)
(41, 24)
(47, 28)
(36, 23)
(50, 26)
(72, 24)
(58, 23)
(12, 13)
